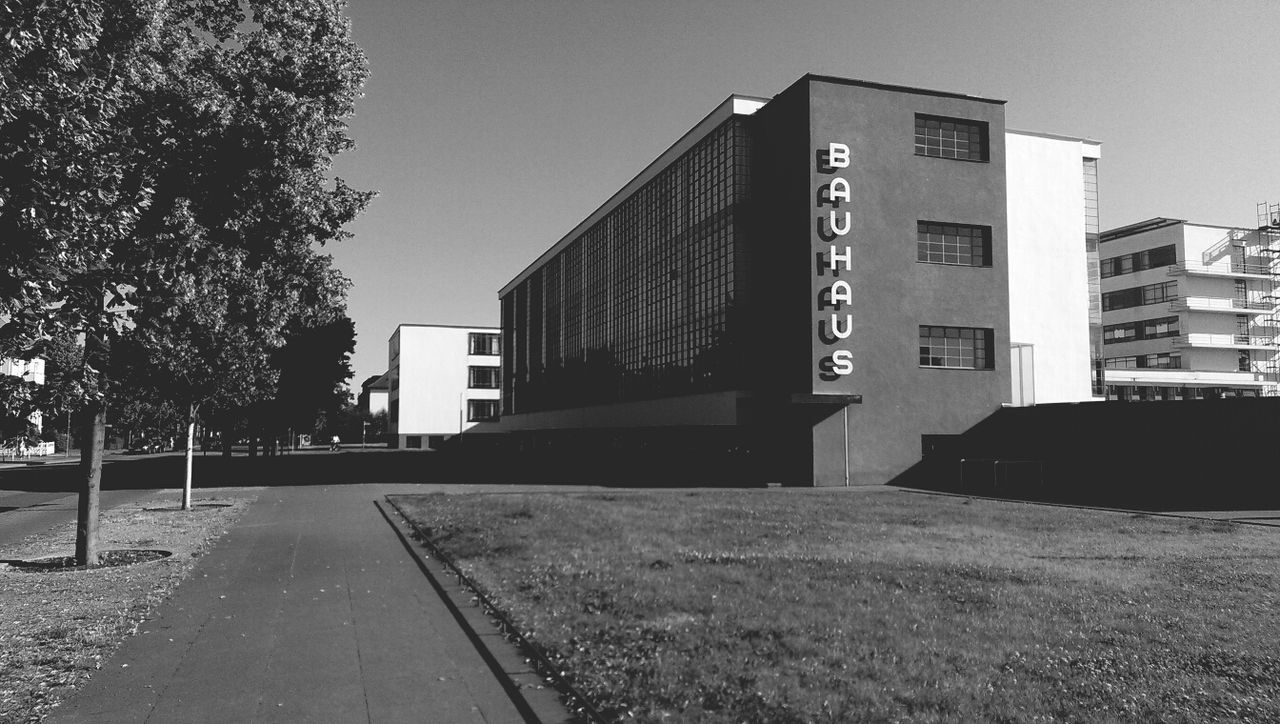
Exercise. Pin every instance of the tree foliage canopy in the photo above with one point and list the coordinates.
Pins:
(164, 184)
(168, 162)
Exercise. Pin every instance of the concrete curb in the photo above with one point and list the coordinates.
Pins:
(533, 697)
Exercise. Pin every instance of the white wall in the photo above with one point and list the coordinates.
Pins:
(377, 401)
(30, 370)
(1048, 268)
(429, 378)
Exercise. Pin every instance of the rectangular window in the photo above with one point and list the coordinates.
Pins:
(484, 343)
(956, 138)
(969, 348)
(962, 244)
(1143, 329)
(482, 410)
(1139, 296)
(1139, 261)
(1162, 327)
(1159, 360)
(483, 378)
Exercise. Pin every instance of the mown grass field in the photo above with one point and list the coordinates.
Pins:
(827, 605)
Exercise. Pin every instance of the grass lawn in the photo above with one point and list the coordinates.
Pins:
(830, 605)
(58, 627)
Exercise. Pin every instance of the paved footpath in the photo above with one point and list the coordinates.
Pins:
(309, 609)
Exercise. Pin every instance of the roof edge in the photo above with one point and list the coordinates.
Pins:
(726, 109)
(899, 88)
(1055, 136)
(1119, 232)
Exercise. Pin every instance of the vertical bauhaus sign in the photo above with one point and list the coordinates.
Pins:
(832, 318)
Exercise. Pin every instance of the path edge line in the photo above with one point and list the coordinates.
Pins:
(532, 710)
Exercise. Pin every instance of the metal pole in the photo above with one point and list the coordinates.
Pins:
(845, 411)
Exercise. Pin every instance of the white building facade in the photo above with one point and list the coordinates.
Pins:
(1189, 310)
(30, 370)
(373, 394)
(1055, 314)
(442, 380)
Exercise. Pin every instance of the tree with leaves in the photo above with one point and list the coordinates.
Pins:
(144, 143)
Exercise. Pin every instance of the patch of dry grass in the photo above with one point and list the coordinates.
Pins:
(788, 605)
(57, 627)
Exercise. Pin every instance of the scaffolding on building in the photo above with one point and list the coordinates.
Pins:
(1268, 249)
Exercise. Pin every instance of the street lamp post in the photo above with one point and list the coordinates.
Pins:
(364, 428)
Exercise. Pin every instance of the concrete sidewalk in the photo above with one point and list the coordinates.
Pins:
(310, 609)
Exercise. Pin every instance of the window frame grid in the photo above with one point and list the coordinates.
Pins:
(941, 137)
(953, 244)
(962, 348)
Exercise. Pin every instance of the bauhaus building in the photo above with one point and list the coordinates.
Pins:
(830, 280)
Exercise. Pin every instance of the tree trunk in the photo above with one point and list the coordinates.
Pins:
(191, 436)
(95, 429)
(228, 438)
(253, 445)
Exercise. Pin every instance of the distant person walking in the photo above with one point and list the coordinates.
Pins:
(335, 442)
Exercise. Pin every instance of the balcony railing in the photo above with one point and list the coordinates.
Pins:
(1220, 304)
(1222, 340)
(1234, 269)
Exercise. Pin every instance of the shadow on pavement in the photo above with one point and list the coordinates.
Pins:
(211, 471)
(333, 468)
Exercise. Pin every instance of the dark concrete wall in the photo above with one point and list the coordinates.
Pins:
(892, 189)
(780, 270)
(1215, 454)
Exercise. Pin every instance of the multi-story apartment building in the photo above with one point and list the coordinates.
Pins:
(31, 370)
(1189, 310)
(824, 279)
(442, 380)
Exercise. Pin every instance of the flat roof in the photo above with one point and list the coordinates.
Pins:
(1056, 136)
(484, 327)
(1149, 225)
(735, 104)
(897, 88)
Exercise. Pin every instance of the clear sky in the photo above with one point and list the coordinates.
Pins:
(492, 128)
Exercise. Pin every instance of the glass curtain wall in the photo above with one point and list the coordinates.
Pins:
(645, 302)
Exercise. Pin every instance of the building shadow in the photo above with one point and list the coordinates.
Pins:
(1158, 456)
(475, 462)
(213, 471)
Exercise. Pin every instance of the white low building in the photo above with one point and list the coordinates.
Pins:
(1190, 309)
(442, 380)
